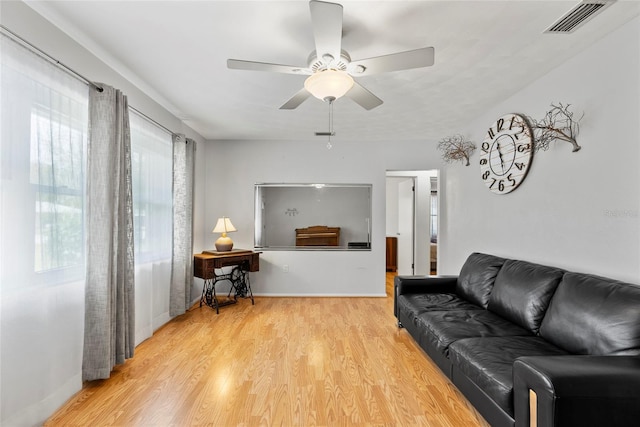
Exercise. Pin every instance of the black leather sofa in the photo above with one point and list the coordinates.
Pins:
(522, 341)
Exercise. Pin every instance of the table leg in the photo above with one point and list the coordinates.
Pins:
(209, 297)
(237, 284)
(240, 285)
(248, 285)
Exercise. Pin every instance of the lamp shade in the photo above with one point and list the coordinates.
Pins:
(223, 225)
(328, 84)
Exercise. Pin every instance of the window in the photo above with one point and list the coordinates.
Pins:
(151, 168)
(280, 209)
(44, 125)
(57, 166)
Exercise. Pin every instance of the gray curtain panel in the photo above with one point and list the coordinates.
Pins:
(109, 294)
(182, 255)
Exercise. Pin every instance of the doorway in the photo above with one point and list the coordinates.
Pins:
(411, 219)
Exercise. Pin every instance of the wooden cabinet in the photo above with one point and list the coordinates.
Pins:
(392, 254)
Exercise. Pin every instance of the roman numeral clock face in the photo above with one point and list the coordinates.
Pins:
(506, 154)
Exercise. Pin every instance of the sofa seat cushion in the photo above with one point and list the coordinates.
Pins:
(413, 305)
(522, 292)
(488, 362)
(441, 328)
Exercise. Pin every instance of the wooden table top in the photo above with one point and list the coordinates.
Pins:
(215, 254)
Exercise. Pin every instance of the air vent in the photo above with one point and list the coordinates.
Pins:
(578, 16)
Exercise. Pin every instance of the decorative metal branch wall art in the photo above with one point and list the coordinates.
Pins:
(456, 148)
(558, 123)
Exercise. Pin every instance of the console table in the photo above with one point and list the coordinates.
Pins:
(243, 262)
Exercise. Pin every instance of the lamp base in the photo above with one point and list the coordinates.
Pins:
(224, 244)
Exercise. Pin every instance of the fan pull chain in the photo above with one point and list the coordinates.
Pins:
(330, 124)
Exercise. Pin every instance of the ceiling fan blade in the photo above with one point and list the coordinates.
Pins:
(327, 28)
(417, 58)
(238, 64)
(296, 100)
(363, 97)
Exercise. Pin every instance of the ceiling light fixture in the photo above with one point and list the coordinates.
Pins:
(329, 84)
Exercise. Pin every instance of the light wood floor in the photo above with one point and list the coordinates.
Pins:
(282, 362)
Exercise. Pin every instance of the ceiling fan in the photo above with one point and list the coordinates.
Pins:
(330, 68)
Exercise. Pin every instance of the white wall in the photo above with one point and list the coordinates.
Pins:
(392, 206)
(42, 327)
(580, 210)
(310, 272)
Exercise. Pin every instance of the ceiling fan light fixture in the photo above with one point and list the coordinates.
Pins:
(328, 84)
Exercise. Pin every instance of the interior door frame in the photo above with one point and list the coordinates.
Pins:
(407, 232)
(421, 219)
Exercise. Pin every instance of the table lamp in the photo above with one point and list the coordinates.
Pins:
(224, 226)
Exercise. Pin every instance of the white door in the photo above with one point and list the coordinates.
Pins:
(406, 204)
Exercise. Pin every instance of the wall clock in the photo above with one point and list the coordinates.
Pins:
(506, 154)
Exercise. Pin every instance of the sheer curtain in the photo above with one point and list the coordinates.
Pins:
(182, 257)
(109, 298)
(152, 160)
(43, 124)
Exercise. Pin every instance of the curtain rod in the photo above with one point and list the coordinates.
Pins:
(149, 119)
(69, 70)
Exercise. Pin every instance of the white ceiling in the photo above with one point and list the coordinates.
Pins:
(176, 52)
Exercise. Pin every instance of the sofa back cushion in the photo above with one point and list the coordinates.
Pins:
(477, 276)
(522, 292)
(593, 315)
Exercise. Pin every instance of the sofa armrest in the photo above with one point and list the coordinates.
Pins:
(577, 390)
(421, 285)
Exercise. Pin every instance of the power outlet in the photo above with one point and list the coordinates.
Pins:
(285, 268)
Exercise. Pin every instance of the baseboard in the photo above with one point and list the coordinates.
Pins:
(160, 321)
(319, 295)
(37, 413)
